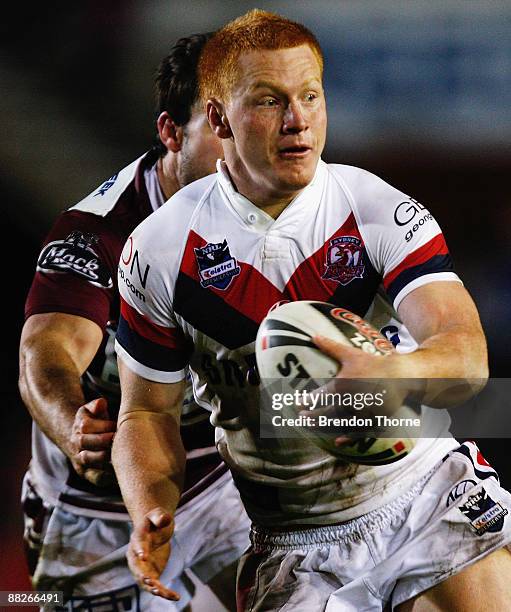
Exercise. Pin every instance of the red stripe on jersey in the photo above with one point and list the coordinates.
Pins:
(481, 460)
(165, 336)
(189, 263)
(436, 246)
(250, 293)
(308, 277)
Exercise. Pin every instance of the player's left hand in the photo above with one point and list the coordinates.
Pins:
(149, 551)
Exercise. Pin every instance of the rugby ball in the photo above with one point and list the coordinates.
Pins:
(286, 354)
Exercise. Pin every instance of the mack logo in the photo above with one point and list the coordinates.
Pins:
(106, 185)
(76, 255)
(406, 211)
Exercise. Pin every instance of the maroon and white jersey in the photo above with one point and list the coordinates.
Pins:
(216, 264)
(77, 274)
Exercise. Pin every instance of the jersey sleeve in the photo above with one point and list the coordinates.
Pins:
(149, 340)
(75, 269)
(403, 240)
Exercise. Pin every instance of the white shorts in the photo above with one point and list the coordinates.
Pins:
(452, 517)
(85, 556)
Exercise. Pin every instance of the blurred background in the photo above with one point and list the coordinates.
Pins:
(418, 93)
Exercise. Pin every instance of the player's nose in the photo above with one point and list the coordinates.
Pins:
(294, 119)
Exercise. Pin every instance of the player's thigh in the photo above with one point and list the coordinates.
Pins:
(484, 586)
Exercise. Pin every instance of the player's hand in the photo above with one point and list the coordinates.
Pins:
(149, 551)
(91, 442)
(356, 367)
(362, 373)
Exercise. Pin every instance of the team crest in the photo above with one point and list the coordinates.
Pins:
(217, 267)
(344, 260)
(483, 513)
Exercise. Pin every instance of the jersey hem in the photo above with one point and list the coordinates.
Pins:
(53, 308)
(403, 482)
(424, 280)
(145, 372)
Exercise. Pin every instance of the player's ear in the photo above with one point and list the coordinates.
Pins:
(171, 135)
(218, 119)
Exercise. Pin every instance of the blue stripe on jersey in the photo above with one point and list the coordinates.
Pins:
(438, 263)
(150, 354)
(210, 315)
(488, 471)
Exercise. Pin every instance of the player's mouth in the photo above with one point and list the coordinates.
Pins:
(295, 152)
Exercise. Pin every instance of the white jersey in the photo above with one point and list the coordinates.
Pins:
(216, 264)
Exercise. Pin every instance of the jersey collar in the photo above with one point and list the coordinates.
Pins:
(255, 218)
(153, 187)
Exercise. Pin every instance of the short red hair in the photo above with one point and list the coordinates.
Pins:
(255, 30)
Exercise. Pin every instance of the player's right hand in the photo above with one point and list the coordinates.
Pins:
(149, 551)
(91, 442)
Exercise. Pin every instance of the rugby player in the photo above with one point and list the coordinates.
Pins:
(77, 527)
(326, 535)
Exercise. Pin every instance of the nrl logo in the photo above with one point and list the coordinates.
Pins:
(483, 513)
(344, 260)
(216, 265)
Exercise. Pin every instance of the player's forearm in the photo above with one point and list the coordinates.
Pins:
(453, 366)
(49, 385)
(149, 461)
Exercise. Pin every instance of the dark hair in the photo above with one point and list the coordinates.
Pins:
(176, 87)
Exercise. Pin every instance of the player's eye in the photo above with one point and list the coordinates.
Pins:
(268, 101)
(310, 96)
